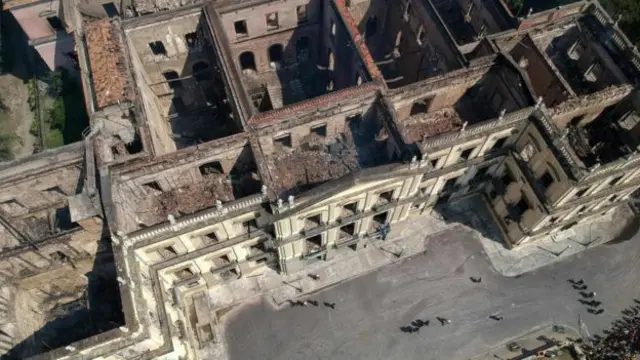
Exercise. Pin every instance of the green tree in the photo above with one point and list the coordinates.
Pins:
(6, 144)
(57, 116)
(630, 11)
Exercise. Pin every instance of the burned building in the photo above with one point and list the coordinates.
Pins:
(232, 137)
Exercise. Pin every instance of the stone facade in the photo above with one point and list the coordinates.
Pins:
(262, 149)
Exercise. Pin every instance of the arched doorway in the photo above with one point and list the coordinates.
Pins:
(275, 55)
(201, 71)
(247, 61)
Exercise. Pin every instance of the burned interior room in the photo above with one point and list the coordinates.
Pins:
(223, 172)
(613, 134)
(407, 40)
(471, 20)
(502, 90)
(288, 52)
(302, 157)
(177, 70)
(585, 56)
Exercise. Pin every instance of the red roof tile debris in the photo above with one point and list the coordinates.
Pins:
(306, 105)
(351, 25)
(432, 124)
(107, 62)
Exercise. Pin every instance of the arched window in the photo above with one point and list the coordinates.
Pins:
(247, 61)
(275, 55)
(371, 27)
(399, 40)
(172, 79)
(201, 71)
(331, 60)
(302, 48)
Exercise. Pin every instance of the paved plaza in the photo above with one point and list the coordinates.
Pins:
(371, 309)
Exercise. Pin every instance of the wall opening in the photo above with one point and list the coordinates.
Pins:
(371, 27)
(110, 9)
(302, 49)
(275, 56)
(157, 48)
(172, 79)
(247, 61)
(241, 28)
(201, 71)
(214, 167)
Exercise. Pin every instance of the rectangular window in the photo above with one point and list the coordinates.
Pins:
(110, 9)
(421, 35)
(192, 39)
(153, 185)
(349, 209)
(528, 151)
(313, 221)
(168, 252)
(214, 167)
(210, 237)
(481, 173)
(301, 11)
(272, 21)
(56, 23)
(157, 48)
(546, 180)
(284, 140)
(320, 130)
(521, 207)
(593, 72)
(499, 143)
(407, 11)
(464, 155)
(581, 192)
(449, 185)
(615, 181)
(386, 196)
(241, 29)
(506, 178)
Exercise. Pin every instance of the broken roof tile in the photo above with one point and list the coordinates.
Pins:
(107, 61)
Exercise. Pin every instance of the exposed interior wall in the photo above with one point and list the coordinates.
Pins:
(33, 19)
(290, 51)
(583, 61)
(159, 129)
(179, 57)
(544, 78)
(552, 181)
(181, 71)
(336, 122)
(409, 39)
(180, 179)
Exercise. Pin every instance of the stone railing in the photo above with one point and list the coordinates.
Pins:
(473, 130)
(610, 94)
(189, 221)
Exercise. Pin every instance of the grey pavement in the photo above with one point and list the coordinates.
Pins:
(371, 309)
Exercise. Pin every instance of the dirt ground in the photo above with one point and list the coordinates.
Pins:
(14, 94)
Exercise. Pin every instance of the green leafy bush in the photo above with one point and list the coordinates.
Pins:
(53, 138)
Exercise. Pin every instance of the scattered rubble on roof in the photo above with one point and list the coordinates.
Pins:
(418, 128)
